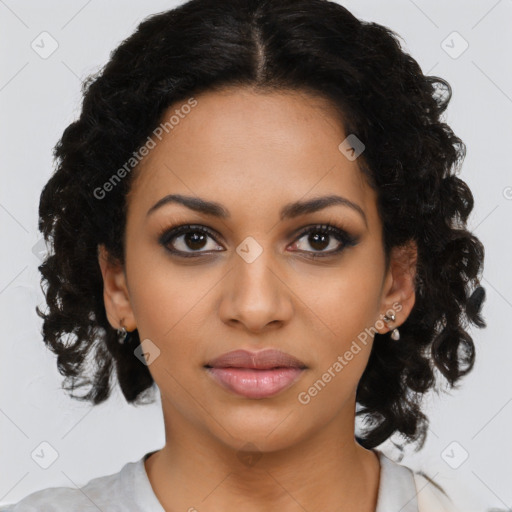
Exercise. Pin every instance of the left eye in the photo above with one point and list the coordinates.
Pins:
(321, 238)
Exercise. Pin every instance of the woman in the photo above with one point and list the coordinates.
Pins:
(258, 213)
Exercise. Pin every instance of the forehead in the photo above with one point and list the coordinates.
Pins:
(253, 150)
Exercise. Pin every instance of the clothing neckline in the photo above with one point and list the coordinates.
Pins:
(397, 488)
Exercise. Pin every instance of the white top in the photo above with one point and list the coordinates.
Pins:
(130, 490)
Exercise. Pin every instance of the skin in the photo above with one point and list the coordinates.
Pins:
(253, 153)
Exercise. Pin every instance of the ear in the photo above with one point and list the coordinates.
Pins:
(398, 291)
(115, 292)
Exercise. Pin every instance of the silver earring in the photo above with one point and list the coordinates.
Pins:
(123, 335)
(395, 334)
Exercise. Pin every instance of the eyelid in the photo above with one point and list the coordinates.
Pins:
(324, 226)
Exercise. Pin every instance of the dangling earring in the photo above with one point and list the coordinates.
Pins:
(124, 335)
(395, 334)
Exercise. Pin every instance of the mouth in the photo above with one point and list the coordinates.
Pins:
(255, 374)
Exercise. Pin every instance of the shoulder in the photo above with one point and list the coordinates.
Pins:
(409, 491)
(431, 496)
(103, 493)
(52, 499)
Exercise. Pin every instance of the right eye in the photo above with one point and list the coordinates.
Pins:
(187, 240)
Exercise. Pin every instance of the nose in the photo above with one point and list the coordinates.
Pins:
(255, 295)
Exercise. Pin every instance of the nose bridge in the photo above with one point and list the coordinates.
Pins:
(256, 296)
(253, 271)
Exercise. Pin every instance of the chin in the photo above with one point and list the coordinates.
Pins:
(267, 429)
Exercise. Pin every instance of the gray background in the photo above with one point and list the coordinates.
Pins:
(40, 96)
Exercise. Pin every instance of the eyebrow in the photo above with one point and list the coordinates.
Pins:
(289, 211)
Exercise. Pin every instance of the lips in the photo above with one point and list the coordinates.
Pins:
(263, 360)
(255, 374)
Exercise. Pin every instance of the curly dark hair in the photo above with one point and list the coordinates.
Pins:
(411, 159)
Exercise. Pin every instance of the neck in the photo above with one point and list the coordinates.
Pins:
(197, 471)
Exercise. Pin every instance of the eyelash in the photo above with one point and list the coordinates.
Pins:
(346, 239)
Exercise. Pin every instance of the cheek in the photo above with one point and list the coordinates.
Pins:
(342, 309)
(165, 298)
(342, 347)
(347, 303)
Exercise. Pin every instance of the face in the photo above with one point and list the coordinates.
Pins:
(254, 270)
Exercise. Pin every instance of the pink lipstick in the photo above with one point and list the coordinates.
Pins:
(255, 374)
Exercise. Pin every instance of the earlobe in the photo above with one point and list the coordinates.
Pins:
(399, 294)
(115, 292)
